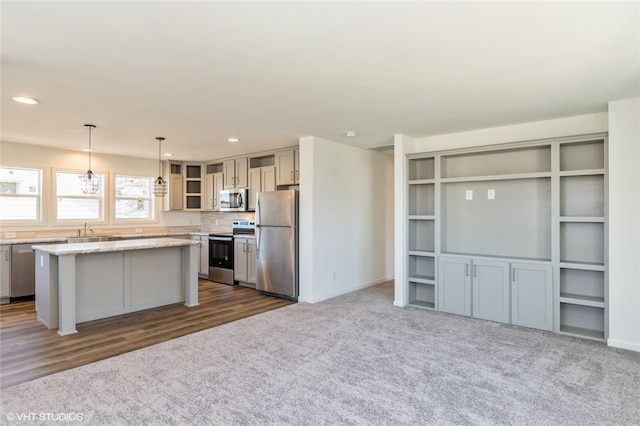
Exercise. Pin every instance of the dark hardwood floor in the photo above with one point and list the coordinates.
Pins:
(28, 350)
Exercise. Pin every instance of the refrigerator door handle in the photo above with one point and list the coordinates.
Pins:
(258, 209)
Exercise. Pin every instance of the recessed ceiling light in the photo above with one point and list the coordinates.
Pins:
(23, 100)
(351, 134)
(168, 154)
(233, 140)
(87, 150)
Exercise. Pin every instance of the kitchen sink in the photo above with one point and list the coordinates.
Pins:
(91, 239)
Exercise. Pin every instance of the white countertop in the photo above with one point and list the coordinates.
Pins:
(110, 246)
(43, 240)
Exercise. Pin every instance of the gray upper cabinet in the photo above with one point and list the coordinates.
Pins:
(532, 296)
(287, 167)
(235, 173)
(172, 174)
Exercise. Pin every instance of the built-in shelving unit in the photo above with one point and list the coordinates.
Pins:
(193, 187)
(538, 206)
(581, 272)
(422, 224)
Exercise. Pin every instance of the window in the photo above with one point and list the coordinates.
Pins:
(134, 197)
(20, 194)
(72, 203)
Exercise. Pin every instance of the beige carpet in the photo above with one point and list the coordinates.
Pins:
(354, 359)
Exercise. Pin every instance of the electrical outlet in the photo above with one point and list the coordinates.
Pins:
(468, 195)
(138, 230)
(491, 194)
(9, 234)
(217, 222)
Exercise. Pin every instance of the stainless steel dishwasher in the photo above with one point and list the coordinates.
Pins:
(23, 271)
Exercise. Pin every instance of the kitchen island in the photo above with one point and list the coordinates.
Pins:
(82, 282)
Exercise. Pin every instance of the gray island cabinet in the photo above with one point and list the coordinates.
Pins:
(82, 282)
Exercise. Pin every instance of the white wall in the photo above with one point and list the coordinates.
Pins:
(346, 218)
(22, 155)
(622, 122)
(624, 224)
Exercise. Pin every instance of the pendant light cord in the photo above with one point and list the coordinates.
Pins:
(89, 147)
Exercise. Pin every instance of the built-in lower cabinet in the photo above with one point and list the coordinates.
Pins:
(495, 290)
(532, 296)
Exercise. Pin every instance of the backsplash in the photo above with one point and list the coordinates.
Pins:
(218, 220)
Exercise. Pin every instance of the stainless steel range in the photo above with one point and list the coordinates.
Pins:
(221, 251)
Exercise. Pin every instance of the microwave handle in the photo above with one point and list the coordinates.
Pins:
(240, 200)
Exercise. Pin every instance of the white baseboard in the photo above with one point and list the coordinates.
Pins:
(624, 345)
(345, 291)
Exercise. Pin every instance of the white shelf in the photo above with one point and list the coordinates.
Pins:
(583, 266)
(582, 332)
(421, 253)
(577, 299)
(586, 172)
(422, 217)
(497, 177)
(583, 219)
(421, 181)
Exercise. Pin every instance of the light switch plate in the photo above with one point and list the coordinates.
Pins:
(491, 194)
(468, 194)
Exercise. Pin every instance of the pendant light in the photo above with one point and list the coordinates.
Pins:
(89, 182)
(160, 185)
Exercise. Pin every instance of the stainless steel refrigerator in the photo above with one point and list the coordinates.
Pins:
(277, 243)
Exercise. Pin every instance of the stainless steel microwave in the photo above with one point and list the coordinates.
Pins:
(233, 200)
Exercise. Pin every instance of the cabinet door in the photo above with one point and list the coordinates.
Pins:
(242, 169)
(229, 168)
(218, 185)
(252, 265)
(455, 285)
(255, 186)
(268, 178)
(285, 173)
(240, 259)
(491, 290)
(532, 296)
(175, 192)
(208, 195)
(204, 256)
(5, 272)
(296, 165)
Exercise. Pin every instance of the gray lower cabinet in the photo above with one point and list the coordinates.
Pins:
(5, 273)
(455, 285)
(489, 290)
(245, 266)
(532, 296)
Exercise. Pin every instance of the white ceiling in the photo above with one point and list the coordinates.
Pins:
(198, 73)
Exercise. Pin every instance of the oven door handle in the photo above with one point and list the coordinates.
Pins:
(220, 238)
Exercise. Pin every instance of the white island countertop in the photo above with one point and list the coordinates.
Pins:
(110, 246)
